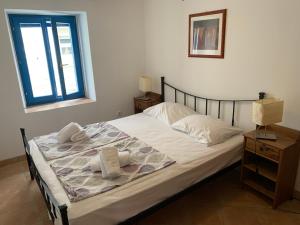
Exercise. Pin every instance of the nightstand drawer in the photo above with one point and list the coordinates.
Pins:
(263, 149)
(139, 105)
(250, 144)
(143, 105)
(267, 151)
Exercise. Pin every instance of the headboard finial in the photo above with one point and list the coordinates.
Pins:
(262, 95)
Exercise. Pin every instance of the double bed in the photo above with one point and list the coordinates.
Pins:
(194, 163)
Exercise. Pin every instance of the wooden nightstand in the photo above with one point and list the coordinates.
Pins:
(141, 104)
(270, 167)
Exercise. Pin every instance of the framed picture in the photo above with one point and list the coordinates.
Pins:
(207, 34)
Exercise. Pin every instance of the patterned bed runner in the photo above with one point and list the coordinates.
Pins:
(100, 134)
(80, 182)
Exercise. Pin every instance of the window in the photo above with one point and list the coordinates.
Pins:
(48, 55)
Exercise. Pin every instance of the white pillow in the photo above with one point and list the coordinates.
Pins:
(169, 112)
(206, 129)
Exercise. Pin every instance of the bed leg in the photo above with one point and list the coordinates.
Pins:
(26, 148)
(162, 85)
(29, 167)
(64, 214)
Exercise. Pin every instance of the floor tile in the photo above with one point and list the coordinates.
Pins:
(277, 217)
(219, 201)
(240, 216)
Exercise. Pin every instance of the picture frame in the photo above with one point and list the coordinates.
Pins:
(207, 34)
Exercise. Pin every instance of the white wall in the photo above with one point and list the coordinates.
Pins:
(261, 52)
(117, 47)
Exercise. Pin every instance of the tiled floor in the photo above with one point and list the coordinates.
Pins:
(221, 201)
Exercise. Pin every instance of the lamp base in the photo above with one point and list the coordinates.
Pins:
(266, 136)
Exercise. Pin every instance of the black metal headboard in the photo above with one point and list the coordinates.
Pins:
(207, 100)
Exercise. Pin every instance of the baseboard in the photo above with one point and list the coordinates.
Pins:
(12, 160)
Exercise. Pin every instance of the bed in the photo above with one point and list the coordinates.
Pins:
(194, 163)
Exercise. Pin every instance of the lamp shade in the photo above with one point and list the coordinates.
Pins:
(145, 84)
(267, 111)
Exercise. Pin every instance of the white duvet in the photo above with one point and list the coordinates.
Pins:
(194, 162)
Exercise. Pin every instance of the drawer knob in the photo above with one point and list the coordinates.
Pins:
(264, 148)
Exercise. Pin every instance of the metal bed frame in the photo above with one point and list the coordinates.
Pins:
(56, 210)
(207, 100)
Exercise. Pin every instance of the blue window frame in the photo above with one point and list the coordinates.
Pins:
(48, 55)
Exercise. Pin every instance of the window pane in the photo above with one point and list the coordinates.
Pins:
(54, 61)
(36, 60)
(67, 57)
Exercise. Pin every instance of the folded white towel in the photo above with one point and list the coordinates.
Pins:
(66, 133)
(124, 160)
(109, 163)
(79, 136)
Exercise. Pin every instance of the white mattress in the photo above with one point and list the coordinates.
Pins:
(194, 162)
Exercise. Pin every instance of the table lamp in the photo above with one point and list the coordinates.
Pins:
(266, 112)
(145, 85)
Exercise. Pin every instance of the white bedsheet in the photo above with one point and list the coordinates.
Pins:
(194, 162)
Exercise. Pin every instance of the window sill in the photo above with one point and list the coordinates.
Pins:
(58, 105)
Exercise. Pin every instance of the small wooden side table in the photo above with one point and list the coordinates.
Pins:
(270, 167)
(141, 103)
